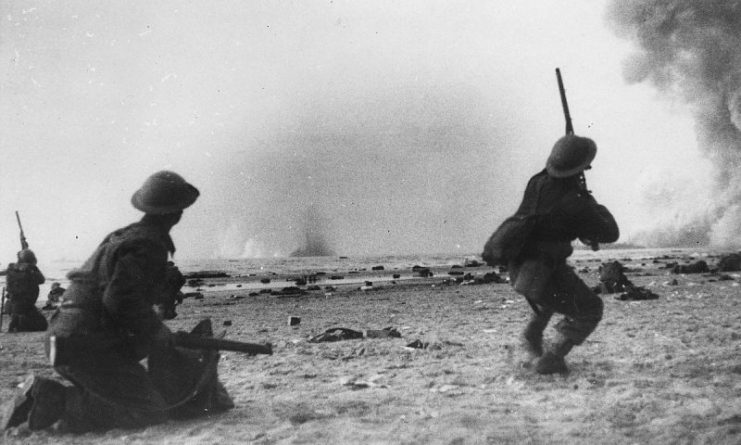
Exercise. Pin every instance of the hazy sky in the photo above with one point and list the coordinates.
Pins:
(408, 126)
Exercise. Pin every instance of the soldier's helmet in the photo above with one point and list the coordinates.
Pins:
(27, 256)
(570, 155)
(164, 192)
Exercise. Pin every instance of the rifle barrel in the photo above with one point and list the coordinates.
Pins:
(195, 342)
(2, 309)
(24, 243)
(564, 103)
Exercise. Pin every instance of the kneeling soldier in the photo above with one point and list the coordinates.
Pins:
(106, 325)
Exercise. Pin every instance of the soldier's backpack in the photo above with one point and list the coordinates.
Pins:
(506, 243)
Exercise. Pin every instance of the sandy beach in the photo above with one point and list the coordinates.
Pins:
(662, 371)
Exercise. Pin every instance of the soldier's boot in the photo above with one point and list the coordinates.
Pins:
(39, 401)
(532, 339)
(553, 362)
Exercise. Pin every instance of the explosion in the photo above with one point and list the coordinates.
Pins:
(689, 49)
(315, 242)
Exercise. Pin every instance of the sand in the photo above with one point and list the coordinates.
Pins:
(659, 371)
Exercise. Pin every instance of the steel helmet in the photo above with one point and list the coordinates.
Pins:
(570, 155)
(27, 256)
(164, 192)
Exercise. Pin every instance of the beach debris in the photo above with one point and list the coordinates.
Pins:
(424, 272)
(336, 334)
(489, 277)
(730, 263)
(396, 276)
(195, 282)
(383, 333)
(290, 291)
(612, 279)
(336, 277)
(697, 267)
(294, 321)
(417, 344)
(339, 334)
(206, 274)
(356, 383)
(227, 322)
(636, 293)
(377, 268)
(472, 263)
(194, 295)
(265, 280)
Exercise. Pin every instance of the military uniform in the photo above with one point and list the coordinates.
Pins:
(565, 212)
(23, 280)
(171, 295)
(106, 325)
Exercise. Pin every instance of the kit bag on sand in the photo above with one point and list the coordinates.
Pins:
(506, 243)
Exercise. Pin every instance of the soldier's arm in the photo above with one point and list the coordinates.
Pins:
(38, 276)
(598, 224)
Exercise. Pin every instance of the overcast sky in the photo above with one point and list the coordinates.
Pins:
(406, 126)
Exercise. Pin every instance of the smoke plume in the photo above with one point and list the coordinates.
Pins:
(689, 49)
(315, 242)
(379, 173)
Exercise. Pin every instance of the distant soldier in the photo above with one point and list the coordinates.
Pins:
(23, 280)
(171, 295)
(106, 325)
(54, 296)
(567, 212)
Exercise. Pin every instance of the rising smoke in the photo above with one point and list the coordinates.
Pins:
(315, 241)
(689, 49)
(378, 173)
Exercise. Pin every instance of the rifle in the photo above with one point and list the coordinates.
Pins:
(24, 243)
(570, 130)
(61, 349)
(2, 309)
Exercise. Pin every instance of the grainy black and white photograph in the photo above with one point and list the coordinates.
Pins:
(370, 222)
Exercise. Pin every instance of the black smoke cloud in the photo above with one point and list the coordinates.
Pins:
(689, 49)
(408, 171)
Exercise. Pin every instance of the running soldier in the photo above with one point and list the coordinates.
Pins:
(566, 211)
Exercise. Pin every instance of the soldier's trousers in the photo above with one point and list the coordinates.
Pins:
(27, 319)
(112, 391)
(555, 288)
